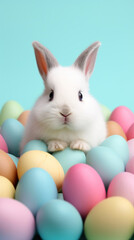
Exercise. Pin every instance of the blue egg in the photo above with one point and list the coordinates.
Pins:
(35, 188)
(59, 220)
(106, 162)
(35, 145)
(68, 158)
(12, 131)
(119, 145)
(15, 159)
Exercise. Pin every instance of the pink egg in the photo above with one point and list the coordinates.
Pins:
(123, 116)
(83, 188)
(131, 148)
(130, 132)
(130, 165)
(16, 220)
(122, 185)
(3, 145)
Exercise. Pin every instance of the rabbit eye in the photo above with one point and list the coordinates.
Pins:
(51, 95)
(80, 95)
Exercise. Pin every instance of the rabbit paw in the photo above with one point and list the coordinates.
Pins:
(56, 145)
(80, 145)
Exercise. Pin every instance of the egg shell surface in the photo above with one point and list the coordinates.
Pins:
(10, 109)
(83, 188)
(12, 131)
(16, 220)
(44, 160)
(130, 132)
(69, 157)
(35, 145)
(106, 162)
(23, 117)
(8, 168)
(122, 185)
(3, 145)
(7, 189)
(124, 116)
(130, 165)
(131, 148)
(111, 219)
(118, 144)
(106, 112)
(58, 220)
(14, 158)
(35, 188)
(113, 128)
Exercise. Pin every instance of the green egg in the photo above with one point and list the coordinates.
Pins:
(10, 109)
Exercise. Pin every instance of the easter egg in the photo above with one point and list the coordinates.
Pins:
(16, 220)
(124, 116)
(113, 128)
(58, 220)
(7, 167)
(23, 117)
(15, 159)
(130, 165)
(122, 185)
(44, 160)
(69, 157)
(106, 112)
(10, 109)
(35, 145)
(130, 132)
(119, 145)
(106, 162)
(7, 189)
(3, 145)
(12, 131)
(111, 219)
(131, 148)
(83, 188)
(35, 188)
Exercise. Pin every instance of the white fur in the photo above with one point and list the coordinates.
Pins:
(86, 127)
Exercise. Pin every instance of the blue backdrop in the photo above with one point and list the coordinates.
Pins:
(67, 28)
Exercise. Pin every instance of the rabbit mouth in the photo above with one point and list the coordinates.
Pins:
(65, 118)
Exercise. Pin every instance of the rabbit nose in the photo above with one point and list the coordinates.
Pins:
(65, 112)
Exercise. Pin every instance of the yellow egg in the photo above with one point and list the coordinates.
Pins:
(44, 160)
(7, 189)
(111, 219)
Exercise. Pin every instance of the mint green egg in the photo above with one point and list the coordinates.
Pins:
(10, 109)
(35, 145)
(69, 157)
(106, 112)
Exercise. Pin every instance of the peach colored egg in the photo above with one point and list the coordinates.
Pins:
(24, 117)
(113, 128)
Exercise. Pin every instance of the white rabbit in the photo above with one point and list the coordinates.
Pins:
(66, 114)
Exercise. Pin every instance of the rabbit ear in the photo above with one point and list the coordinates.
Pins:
(45, 59)
(86, 60)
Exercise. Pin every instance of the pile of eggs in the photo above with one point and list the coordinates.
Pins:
(68, 194)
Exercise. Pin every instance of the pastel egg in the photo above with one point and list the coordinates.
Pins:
(35, 145)
(3, 145)
(35, 188)
(58, 220)
(44, 160)
(113, 128)
(106, 162)
(130, 132)
(130, 165)
(7, 167)
(83, 188)
(16, 220)
(119, 145)
(106, 112)
(10, 109)
(68, 158)
(111, 219)
(23, 117)
(12, 131)
(122, 185)
(7, 189)
(124, 116)
(14, 158)
(131, 148)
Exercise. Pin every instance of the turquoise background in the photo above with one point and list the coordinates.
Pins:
(67, 28)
